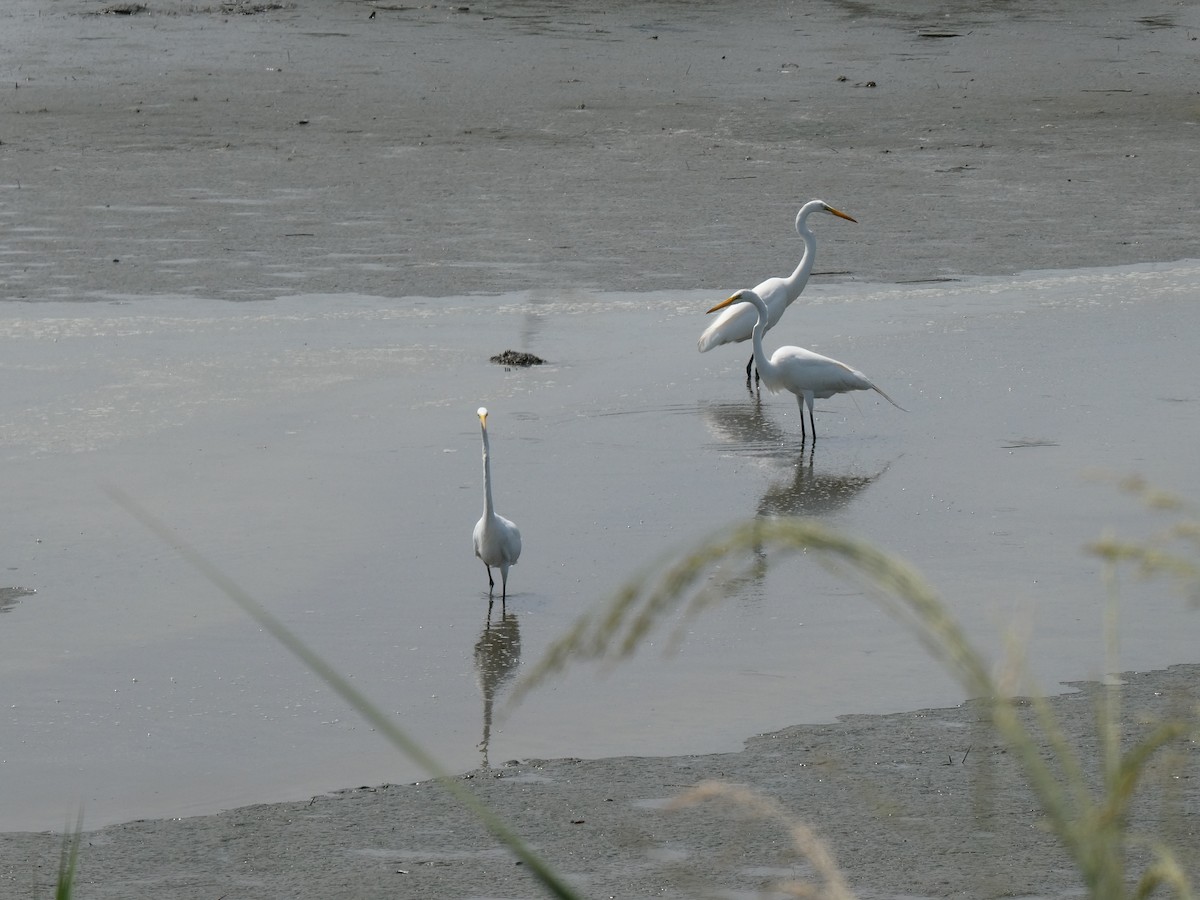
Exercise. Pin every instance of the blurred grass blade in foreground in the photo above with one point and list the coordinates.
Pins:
(348, 692)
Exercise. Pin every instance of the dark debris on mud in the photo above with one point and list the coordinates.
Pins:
(232, 7)
(517, 358)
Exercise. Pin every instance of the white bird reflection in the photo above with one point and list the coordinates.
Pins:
(803, 491)
(745, 425)
(497, 657)
(807, 492)
(799, 489)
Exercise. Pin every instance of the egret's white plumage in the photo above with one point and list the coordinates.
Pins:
(497, 540)
(806, 374)
(736, 324)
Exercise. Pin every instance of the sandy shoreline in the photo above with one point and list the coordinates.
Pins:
(637, 148)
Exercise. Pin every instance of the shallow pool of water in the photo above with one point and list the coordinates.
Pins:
(324, 451)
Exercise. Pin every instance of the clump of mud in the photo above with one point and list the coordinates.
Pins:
(515, 358)
(227, 8)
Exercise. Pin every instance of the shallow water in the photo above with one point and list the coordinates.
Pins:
(324, 451)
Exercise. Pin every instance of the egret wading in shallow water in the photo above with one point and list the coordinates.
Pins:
(497, 540)
(736, 324)
(806, 374)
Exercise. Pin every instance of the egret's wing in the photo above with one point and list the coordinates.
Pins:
(822, 375)
(512, 540)
(805, 370)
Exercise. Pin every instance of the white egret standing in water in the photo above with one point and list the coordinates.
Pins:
(804, 373)
(736, 324)
(497, 540)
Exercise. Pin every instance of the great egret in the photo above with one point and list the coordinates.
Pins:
(497, 540)
(737, 323)
(804, 373)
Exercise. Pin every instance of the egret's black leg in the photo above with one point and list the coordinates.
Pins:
(491, 584)
(750, 366)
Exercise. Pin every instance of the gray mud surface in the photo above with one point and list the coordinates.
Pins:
(627, 147)
(633, 146)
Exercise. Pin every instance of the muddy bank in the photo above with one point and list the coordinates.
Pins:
(920, 804)
(432, 150)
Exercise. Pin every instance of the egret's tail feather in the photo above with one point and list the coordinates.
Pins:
(882, 393)
(732, 326)
(711, 338)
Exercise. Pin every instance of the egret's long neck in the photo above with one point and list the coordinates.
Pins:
(799, 278)
(765, 367)
(487, 477)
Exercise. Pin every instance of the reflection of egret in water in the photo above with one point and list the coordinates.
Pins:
(803, 491)
(747, 426)
(497, 655)
(11, 596)
(811, 493)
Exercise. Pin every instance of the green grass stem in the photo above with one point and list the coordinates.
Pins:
(68, 861)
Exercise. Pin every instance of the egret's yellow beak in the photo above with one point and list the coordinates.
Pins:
(482, 413)
(727, 302)
(841, 215)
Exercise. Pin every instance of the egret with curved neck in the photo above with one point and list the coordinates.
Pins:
(806, 374)
(736, 324)
(497, 540)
